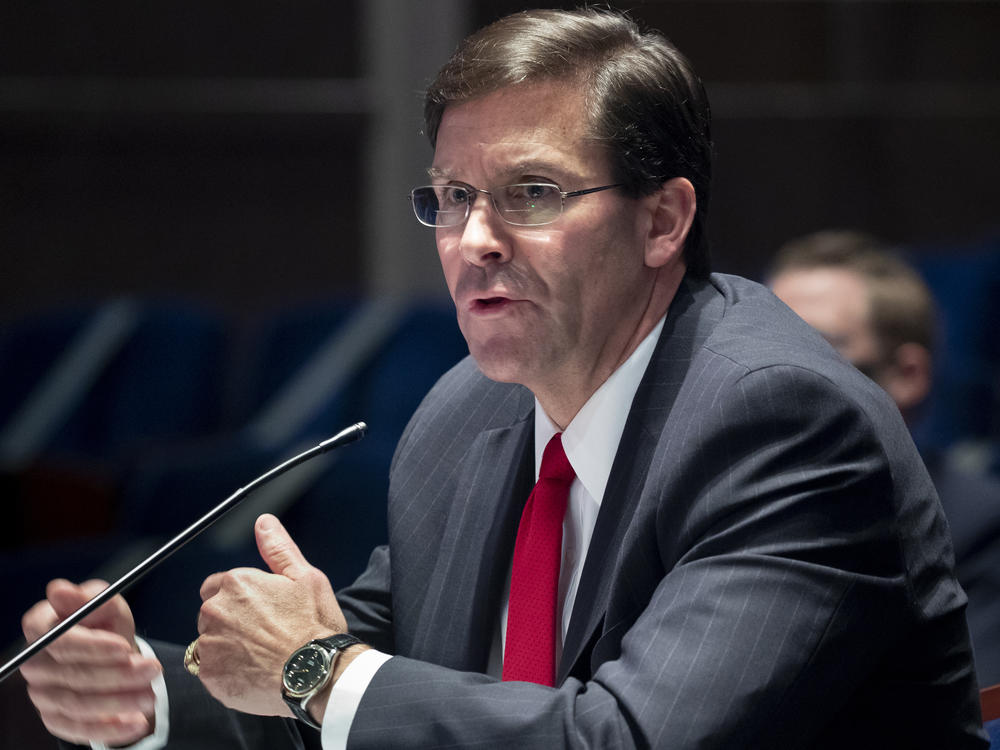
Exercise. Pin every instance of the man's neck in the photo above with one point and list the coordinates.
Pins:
(562, 396)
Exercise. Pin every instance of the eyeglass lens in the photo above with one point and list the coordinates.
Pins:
(523, 204)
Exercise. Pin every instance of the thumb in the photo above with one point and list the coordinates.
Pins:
(66, 597)
(114, 616)
(277, 549)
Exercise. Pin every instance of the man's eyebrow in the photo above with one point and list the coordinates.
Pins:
(511, 172)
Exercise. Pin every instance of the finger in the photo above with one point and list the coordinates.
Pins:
(276, 547)
(66, 597)
(117, 729)
(38, 620)
(237, 579)
(86, 705)
(134, 674)
(79, 643)
(211, 585)
(229, 579)
(107, 633)
(90, 645)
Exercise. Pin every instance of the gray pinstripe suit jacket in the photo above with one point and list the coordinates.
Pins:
(770, 566)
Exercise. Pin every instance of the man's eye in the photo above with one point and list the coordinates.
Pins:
(530, 193)
(539, 192)
(455, 196)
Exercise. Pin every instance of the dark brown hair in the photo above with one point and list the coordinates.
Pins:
(901, 307)
(643, 97)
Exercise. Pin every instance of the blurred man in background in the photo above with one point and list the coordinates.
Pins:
(875, 309)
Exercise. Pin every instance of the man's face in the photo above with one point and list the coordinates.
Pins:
(834, 301)
(543, 305)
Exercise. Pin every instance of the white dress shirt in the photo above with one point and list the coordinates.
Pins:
(591, 442)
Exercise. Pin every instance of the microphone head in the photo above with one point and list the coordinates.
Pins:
(348, 435)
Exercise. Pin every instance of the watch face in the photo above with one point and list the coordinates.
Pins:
(305, 670)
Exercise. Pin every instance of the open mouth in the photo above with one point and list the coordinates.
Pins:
(490, 304)
(491, 301)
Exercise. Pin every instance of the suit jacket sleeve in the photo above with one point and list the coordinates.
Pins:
(367, 603)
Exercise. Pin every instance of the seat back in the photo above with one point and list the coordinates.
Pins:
(989, 701)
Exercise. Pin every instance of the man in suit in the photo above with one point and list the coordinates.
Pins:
(747, 551)
(874, 308)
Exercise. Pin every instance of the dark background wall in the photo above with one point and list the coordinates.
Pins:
(162, 147)
(226, 153)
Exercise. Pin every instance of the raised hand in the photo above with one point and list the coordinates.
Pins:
(251, 621)
(91, 683)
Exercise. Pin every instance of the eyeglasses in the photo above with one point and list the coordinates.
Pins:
(530, 204)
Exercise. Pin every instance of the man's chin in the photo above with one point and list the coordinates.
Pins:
(500, 363)
(498, 374)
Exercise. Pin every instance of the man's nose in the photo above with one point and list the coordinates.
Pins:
(484, 237)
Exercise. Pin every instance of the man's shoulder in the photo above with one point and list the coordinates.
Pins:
(758, 330)
(756, 339)
(463, 399)
(463, 405)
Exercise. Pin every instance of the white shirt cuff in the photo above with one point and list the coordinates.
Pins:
(158, 739)
(345, 697)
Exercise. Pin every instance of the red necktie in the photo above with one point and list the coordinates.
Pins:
(530, 649)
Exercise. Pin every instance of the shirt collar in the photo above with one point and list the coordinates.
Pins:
(591, 439)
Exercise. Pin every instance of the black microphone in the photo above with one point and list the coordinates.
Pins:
(349, 435)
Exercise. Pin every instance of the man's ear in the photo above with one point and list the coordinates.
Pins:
(907, 379)
(673, 207)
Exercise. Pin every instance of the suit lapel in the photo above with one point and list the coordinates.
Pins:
(460, 614)
(693, 314)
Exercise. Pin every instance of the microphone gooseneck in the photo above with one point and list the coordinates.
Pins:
(348, 435)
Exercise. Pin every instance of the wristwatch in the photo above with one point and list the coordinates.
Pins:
(309, 669)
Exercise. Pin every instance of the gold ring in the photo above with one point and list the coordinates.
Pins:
(192, 662)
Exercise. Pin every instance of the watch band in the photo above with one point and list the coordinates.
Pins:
(333, 645)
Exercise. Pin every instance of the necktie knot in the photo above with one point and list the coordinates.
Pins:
(555, 466)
